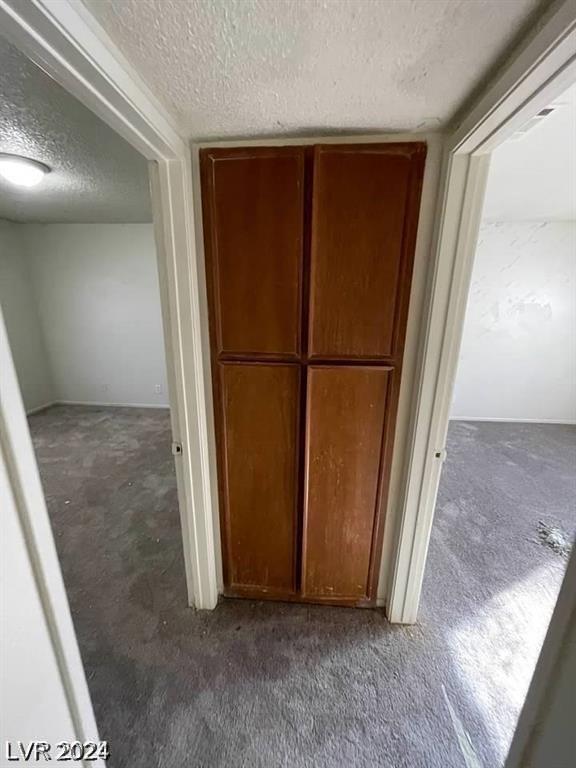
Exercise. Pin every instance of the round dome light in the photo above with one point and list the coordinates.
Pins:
(22, 171)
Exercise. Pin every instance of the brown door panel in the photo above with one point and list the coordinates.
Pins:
(309, 254)
(254, 208)
(346, 408)
(260, 426)
(364, 217)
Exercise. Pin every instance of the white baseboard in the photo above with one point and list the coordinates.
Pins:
(512, 421)
(100, 405)
(39, 408)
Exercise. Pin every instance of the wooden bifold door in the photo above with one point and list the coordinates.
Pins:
(309, 254)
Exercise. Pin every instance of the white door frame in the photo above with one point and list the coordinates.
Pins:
(64, 40)
(22, 497)
(543, 67)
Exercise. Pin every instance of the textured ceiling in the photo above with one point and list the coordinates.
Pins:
(534, 178)
(96, 175)
(251, 67)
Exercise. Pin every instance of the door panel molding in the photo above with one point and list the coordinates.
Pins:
(346, 415)
(253, 204)
(371, 212)
(259, 442)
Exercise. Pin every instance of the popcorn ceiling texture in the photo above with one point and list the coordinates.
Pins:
(229, 68)
(96, 175)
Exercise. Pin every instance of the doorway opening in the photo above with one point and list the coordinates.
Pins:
(81, 302)
(505, 516)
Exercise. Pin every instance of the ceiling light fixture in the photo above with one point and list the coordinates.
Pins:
(22, 171)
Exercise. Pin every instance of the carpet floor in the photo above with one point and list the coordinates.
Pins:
(264, 684)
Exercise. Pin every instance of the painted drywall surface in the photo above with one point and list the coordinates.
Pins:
(518, 355)
(22, 321)
(278, 67)
(99, 305)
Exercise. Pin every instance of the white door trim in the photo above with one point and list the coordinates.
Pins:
(65, 41)
(539, 71)
(18, 466)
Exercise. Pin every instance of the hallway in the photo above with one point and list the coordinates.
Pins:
(272, 684)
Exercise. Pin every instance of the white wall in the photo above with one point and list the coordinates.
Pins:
(518, 355)
(82, 307)
(21, 317)
(99, 305)
(32, 696)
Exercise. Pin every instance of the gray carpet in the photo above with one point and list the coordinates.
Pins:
(263, 684)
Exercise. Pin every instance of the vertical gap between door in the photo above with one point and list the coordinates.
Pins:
(305, 304)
